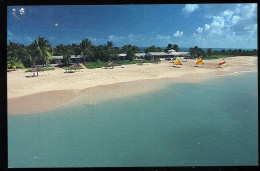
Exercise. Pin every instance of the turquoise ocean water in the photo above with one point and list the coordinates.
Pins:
(211, 123)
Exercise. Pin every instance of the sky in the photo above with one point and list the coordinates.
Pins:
(187, 25)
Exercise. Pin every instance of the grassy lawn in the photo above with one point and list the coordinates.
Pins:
(217, 56)
(68, 68)
(43, 68)
(99, 64)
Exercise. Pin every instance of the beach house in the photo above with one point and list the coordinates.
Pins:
(172, 54)
(73, 58)
(56, 59)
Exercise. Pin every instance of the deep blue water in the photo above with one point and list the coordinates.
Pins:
(211, 123)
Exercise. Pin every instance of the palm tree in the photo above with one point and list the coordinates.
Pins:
(14, 54)
(86, 48)
(43, 50)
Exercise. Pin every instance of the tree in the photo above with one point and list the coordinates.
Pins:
(130, 51)
(153, 49)
(59, 50)
(196, 51)
(176, 48)
(67, 54)
(86, 47)
(111, 53)
(42, 50)
(209, 52)
(15, 54)
(169, 47)
(76, 49)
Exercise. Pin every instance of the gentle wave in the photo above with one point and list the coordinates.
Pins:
(238, 72)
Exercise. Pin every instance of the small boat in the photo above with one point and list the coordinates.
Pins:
(177, 63)
(199, 62)
(222, 64)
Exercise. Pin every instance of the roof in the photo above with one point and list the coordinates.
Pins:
(157, 53)
(57, 57)
(171, 50)
(122, 54)
(140, 54)
(79, 56)
(164, 54)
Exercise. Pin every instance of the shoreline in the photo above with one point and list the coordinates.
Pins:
(148, 80)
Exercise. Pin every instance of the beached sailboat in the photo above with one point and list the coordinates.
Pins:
(177, 63)
(199, 62)
(222, 64)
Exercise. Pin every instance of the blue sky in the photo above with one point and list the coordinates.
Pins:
(188, 25)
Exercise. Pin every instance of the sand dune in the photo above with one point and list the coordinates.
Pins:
(53, 89)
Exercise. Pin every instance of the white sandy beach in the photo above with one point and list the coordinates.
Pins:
(53, 89)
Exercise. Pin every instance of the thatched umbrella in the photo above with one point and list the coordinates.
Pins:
(75, 66)
(112, 64)
(143, 61)
(37, 69)
(157, 60)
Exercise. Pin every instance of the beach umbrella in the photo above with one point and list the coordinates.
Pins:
(112, 64)
(75, 66)
(143, 61)
(199, 62)
(157, 60)
(37, 69)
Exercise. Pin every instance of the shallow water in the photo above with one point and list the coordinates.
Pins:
(211, 123)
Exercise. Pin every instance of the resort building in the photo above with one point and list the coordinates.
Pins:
(80, 58)
(73, 58)
(56, 59)
(139, 56)
(172, 54)
(122, 56)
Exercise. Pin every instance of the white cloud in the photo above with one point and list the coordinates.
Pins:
(248, 11)
(231, 26)
(207, 27)
(160, 37)
(115, 38)
(22, 11)
(178, 34)
(97, 40)
(189, 8)
(235, 19)
(199, 30)
(131, 36)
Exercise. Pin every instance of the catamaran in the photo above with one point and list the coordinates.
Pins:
(177, 63)
(199, 62)
(222, 64)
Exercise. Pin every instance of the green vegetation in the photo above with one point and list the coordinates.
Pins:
(42, 50)
(43, 68)
(210, 54)
(130, 51)
(29, 70)
(68, 68)
(97, 56)
(98, 64)
(47, 68)
(174, 47)
(153, 49)
(218, 56)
